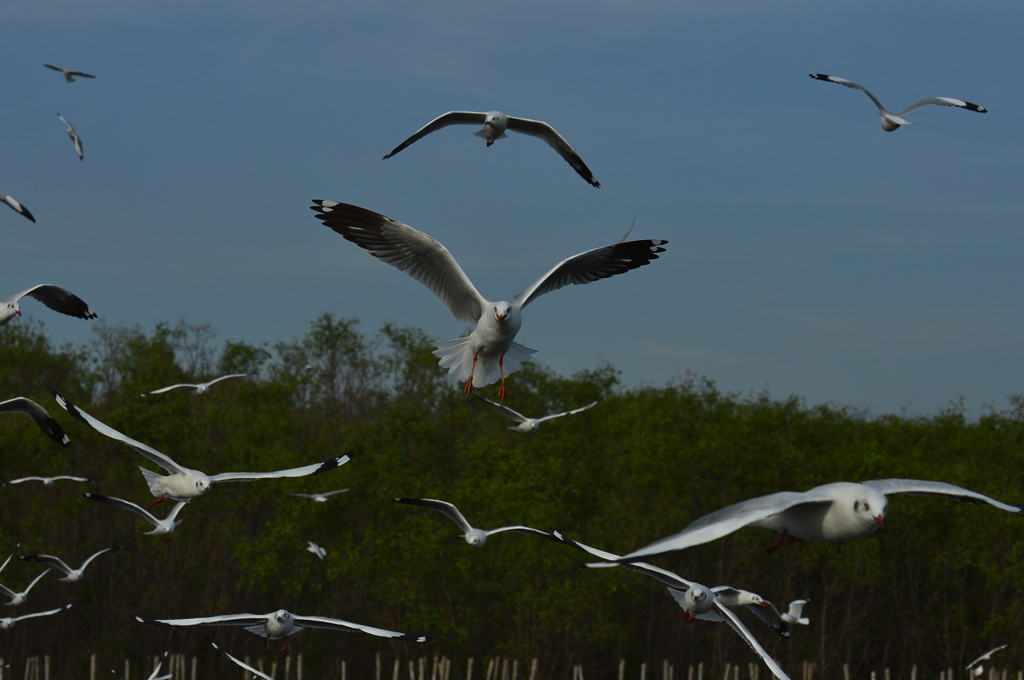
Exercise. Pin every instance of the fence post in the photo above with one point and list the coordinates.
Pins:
(469, 669)
(533, 669)
(622, 670)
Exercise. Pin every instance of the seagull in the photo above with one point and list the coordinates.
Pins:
(890, 120)
(700, 602)
(238, 662)
(976, 667)
(47, 481)
(183, 484)
(69, 73)
(8, 623)
(525, 424)
(795, 613)
(495, 123)
(840, 511)
(316, 497)
(475, 537)
(39, 415)
(160, 526)
(18, 598)
(488, 353)
(156, 670)
(75, 139)
(282, 624)
(54, 297)
(200, 388)
(317, 550)
(17, 207)
(72, 575)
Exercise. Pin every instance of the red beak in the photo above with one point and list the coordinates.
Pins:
(499, 317)
(878, 519)
(18, 312)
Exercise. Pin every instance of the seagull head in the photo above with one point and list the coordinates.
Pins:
(203, 484)
(282, 616)
(699, 599)
(502, 311)
(869, 508)
(495, 124)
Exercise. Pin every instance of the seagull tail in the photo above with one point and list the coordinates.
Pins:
(152, 480)
(457, 356)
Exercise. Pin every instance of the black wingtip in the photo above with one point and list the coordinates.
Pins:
(818, 76)
(332, 463)
(66, 404)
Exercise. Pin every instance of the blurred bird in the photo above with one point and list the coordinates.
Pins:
(54, 297)
(69, 73)
(475, 537)
(17, 207)
(39, 416)
(525, 424)
(199, 388)
(75, 139)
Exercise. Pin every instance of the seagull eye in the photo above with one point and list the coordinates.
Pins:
(856, 506)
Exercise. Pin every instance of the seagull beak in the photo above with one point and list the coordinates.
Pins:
(500, 317)
(878, 519)
(18, 312)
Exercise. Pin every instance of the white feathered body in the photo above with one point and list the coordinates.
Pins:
(853, 514)
(488, 342)
(182, 486)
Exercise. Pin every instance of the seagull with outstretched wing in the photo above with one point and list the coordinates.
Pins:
(39, 416)
(198, 388)
(525, 424)
(17, 206)
(54, 297)
(69, 73)
(475, 537)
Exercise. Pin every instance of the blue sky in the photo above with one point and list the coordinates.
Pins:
(810, 252)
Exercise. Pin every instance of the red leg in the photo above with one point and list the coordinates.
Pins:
(468, 389)
(688, 616)
(159, 499)
(284, 648)
(501, 381)
(781, 540)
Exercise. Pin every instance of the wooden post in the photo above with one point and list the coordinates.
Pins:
(423, 667)
(515, 669)
(490, 668)
(127, 670)
(396, 670)
(288, 667)
(469, 669)
(377, 661)
(700, 671)
(412, 670)
(344, 669)
(846, 671)
(725, 676)
(195, 667)
(913, 672)
(46, 667)
(622, 670)
(643, 670)
(887, 673)
(298, 668)
(689, 672)
(533, 669)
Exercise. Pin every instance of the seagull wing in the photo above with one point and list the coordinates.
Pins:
(82, 74)
(48, 559)
(48, 612)
(409, 250)
(152, 454)
(664, 576)
(127, 505)
(94, 556)
(35, 581)
(17, 206)
(849, 83)
(299, 495)
(444, 120)
(751, 641)
(444, 507)
(161, 390)
(918, 487)
(521, 529)
(55, 68)
(348, 626)
(591, 265)
(70, 478)
(726, 520)
(541, 130)
(59, 300)
(225, 377)
(984, 656)
(315, 468)
(7, 592)
(502, 409)
(945, 101)
(796, 608)
(220, 620)
(37, 413)
(237, 662)
(567, 413)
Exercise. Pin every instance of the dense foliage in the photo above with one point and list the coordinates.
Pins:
(940, 584)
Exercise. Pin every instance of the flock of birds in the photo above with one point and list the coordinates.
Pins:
(837, 511)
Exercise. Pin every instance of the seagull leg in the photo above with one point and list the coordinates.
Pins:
(284, 648)
(501, 380)
(781, 540)
(688, 616)
(468, 389)
(159, 499)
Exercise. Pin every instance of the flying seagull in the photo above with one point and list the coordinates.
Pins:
(155, 675)
(524, 424)
(891, 120)
(238, 662)
(475, 537)
(317, 550)
(75, 139)
(54, 297)
(39, 415)
(71, 575)
(160, 526)
(16, 206)
(199, 388)
(495, 123)
(47, 481)
(488, 353)
(16, 597)
(795, 613)
(8, 623)
(976, 667)
(840, 511)
(184, 483)
(282, 624)
(320, 497)
(707, 604)
(69, 73)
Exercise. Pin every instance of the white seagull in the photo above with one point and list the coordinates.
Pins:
(38, 415)
(54, 297)
(238, 662)
(840, 511)
(891, 120)
(475, 537)
(16, 597)
(282, 624)
(8, 560)
(69, 73)
(700, 602)
(47, 481)
(317, 550)
(8, 623)
(155, 675)
(199, 388)
(160, 526)
(17, 207)
(495, 123)
(488, 353)
(795, 613)
(71, 575)
(184, 483)
(976, 667)
(524, 424)
(320, 497)
(75, 139)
